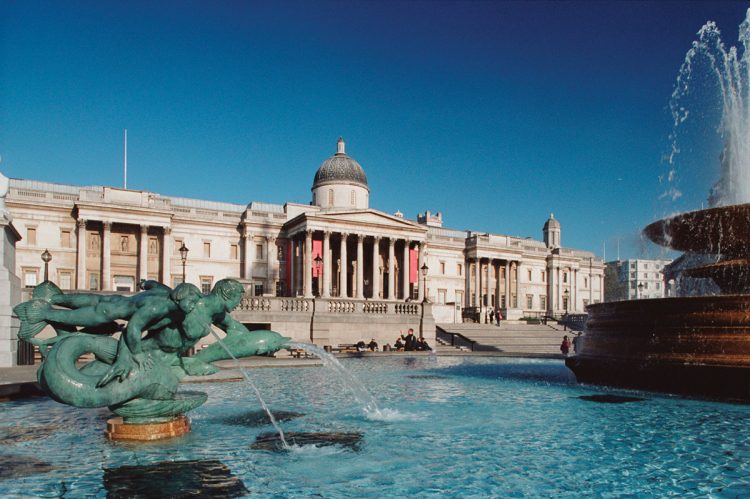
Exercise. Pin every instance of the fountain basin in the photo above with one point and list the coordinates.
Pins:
(689, 345)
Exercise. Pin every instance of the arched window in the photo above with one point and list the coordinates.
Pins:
(354, 198)
(330, 197)
(313, 198)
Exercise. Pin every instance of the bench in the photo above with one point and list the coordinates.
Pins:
(346, 347)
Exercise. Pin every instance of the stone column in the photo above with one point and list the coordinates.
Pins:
(405, 270)
(467, 282)
(375, 268)
(81, 261)
(478, 284)
(271, 253)
(343, 267)
(487, 283)
(391, 268)
(143, 254)
(166, 256)
(326, 264)
(497, 284)
(421, 281)
(10, 292)
(292, 267)
(247, 259)
(107, 256)
(360, 266)
(308, 264)
(507, 284)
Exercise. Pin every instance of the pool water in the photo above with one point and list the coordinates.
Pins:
(449, 426)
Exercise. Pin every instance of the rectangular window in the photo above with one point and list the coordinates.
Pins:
(206, 284)
(645, 266)
(259, 252)
(31, 236)
(514, 300)
(632, 265)
(30, 277)
(442, 268)
(65, 240)
(177, 245)
(645, 275)
(206, 249)
(565, 277)
(529, 301)
(502, 301)
(585, 282)
(632, 275)
(93, 281)
(544, 276)
(234, 251)
(543, 302)
(658, 285)
(441, 296)
(460, 269)
(565, 303)
(645, 285)
(529, 275)
(124, 283)
(258, 290)
(460, 298)
(66, 279)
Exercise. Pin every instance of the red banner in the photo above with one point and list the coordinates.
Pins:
(317, 252)
(413, 263)
(289, 270)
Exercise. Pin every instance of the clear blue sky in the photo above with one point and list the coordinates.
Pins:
(494, 113)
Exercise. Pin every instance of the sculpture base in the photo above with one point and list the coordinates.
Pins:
(117, 429)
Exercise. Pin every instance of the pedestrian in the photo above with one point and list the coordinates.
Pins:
(410, 341)
(498, 316)
(565, 346)
(576, 342)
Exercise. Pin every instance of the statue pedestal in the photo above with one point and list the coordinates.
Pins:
(119, 430)
(10, 292)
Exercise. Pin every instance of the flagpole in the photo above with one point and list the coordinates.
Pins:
(126, 158)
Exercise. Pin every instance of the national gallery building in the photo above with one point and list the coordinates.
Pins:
(336, 249)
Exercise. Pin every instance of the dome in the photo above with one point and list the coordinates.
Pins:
(551, 223)
(340, 169)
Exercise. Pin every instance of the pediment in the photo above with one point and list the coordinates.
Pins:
(357, 220)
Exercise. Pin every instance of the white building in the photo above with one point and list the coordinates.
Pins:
(638, 278)
(337, 247)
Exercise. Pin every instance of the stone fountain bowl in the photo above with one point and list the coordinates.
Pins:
(722, 230)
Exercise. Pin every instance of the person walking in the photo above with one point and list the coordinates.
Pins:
(565, 346)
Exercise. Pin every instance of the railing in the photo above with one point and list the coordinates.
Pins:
(255, 303)
(374, 307)
(456, 339)
(342, 307)
(406, 308)
(295, 305)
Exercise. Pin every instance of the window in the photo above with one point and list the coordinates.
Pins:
(502, 301)
(460, 269)
(460, 298)
(330, 197)
(529, 271)
(632, 265)
(544, 276)
(658, 285)
(645, 266)
(93, 281)
(206, 282)
(124, 283)
(543, 302)
(514, 300)
(632, 285)
(234, 251)
(565, 303)
(259, 252)
(645, 285)
(354, 198)
(585, 282)
(65, 241)
(31, 236)
(442, 268)
(206, 249)
(30, 277)
(632, 275)
(441, 296)
(258, 290)
(65, 278)
(565, 277)
(529, 301)
(645, 275)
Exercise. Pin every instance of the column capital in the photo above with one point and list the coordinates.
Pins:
(81, 223)
(167, 230)
(245, 235)
(144, 228)
(376, 238)
(271, 239)
(360, 237)
(308, 232)
(107, 224)
(391, 241)
(327, 234)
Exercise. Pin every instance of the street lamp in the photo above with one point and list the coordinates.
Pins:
(46, 258)
(424, 270)
(318, 261)
(566, 296)
(183, 256)
(640, 290)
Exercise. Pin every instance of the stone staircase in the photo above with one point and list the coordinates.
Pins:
(509, 337)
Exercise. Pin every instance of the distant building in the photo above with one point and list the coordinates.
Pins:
(635, 279)
(335, 248)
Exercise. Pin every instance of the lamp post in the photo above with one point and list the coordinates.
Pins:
(318, 261)
(183, 256)
(424, 270)
(566, 296)
(46, 258)
(640, 291)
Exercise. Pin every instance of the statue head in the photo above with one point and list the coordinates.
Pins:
(230, 291)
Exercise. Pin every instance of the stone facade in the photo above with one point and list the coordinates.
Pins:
(351, 263)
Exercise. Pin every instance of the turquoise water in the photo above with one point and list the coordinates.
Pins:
(450, 426)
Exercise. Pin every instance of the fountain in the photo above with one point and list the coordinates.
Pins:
(697, 345)
(136, 377)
